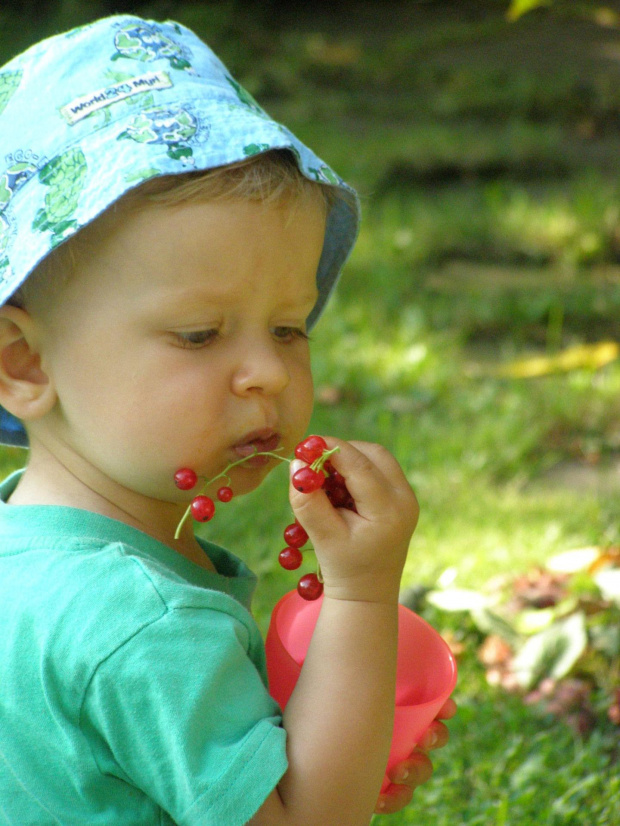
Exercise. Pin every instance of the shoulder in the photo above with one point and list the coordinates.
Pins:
(78, 602)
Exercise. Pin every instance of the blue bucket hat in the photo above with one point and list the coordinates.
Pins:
(87, 115)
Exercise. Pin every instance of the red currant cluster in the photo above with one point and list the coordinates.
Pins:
(202, 507)
(318, 472)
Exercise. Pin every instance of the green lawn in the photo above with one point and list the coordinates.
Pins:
(487, 158)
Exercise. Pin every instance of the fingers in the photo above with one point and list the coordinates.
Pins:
(393, 799)
(314, 510)
(374, 479)
(405, 777)
(361, 550)
(448, 710)
(413, 771)
(416, 769)
(435, 737)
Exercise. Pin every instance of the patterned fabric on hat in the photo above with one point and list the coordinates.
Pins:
(87, 115)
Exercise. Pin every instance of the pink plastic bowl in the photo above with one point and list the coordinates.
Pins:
(425, 673)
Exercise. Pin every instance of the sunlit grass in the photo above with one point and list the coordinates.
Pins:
(508, 769)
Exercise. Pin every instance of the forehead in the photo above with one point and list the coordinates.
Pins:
(147, 252)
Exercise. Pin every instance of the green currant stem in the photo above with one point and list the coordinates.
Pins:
(224, 474)
(323, 458)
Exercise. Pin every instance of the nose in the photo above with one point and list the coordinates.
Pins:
(261, 369)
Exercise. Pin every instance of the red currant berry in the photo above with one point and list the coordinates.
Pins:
(309, 587)
(350, 504)
(305, 480)
(225, 494)
(334, 478)
(338, 496)
(185, 478)
(310, 449)
(290, 558)
(295, 535)
(202, 508)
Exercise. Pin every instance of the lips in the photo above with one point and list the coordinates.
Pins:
(258, 441)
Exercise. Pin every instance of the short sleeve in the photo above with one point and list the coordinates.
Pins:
(180, 712)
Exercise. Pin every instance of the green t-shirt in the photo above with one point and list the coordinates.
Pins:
(132, 681)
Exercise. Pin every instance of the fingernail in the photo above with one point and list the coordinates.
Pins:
(404, 775)
(432, 739)
(295, 465)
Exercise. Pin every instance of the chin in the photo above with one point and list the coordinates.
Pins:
(247, 479)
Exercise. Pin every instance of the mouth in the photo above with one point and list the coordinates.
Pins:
(258, 441)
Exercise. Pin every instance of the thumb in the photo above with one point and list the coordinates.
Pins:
(312, 510)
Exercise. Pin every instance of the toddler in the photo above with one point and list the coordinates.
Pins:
(164, 249)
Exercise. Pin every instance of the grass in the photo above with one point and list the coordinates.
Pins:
(492, 234)
(507, 768)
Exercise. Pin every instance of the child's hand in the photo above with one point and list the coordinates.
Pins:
(417, 768)
(361, 552)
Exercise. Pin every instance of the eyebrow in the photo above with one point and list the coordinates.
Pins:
(196, 298)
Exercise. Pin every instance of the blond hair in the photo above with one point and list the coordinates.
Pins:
(269, 177)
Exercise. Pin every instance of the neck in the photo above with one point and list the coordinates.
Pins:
(69, 481)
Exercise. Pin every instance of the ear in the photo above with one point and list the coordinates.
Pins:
(25, 389)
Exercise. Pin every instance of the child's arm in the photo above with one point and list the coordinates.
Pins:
(340, 716)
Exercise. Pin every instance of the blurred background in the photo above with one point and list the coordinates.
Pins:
(476, 333)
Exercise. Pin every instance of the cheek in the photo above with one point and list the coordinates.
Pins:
(115, 403)
(301, 396)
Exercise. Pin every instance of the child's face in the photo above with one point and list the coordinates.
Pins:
(180, 342)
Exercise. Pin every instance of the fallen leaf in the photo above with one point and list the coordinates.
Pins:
(575, 560)
(458, 599)
(520, 7)
(551, 652)
(579, 357)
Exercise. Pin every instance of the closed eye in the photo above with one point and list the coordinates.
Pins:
(290, 334)
(196, 338)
